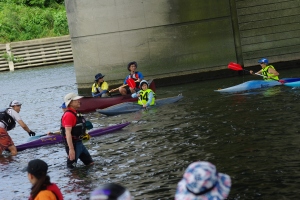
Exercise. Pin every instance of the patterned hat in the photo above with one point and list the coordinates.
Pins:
(201, 181)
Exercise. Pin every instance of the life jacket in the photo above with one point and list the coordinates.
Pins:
(265, 72)
(134, 76)
(144, 97)
(7, 120)
(53, 188)
(96, 86)
(78, 130)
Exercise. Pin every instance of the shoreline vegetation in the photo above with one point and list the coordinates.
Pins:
(22, 20)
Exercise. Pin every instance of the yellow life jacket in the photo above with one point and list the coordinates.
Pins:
(144, 97)
(265, 72)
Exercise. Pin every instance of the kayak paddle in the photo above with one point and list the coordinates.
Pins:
(238, 67)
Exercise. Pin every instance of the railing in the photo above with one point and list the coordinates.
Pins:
(35, 53)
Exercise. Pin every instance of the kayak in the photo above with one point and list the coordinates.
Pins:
(293, 84)
(57, 138)
(255, 84)
(130, 107)
(90, 104)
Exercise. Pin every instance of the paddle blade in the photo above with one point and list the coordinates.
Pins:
(131, 83)
(235, 66)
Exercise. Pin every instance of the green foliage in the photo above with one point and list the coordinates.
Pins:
(20, 22)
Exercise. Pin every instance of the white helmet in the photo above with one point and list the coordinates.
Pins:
(143, 82)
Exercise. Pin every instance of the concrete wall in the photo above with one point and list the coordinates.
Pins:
(170, 38)
(269, 28)
(166, 37)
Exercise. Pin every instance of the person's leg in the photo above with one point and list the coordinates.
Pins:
(13, 150)
(123, 91)
(6, 142)
(71, 163)
(85, 156)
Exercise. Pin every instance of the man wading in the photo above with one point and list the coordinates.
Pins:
(8, 119)
(73, 129)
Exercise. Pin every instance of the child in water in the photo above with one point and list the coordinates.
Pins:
(146, 96)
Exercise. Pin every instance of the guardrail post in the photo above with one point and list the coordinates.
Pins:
(10, 62)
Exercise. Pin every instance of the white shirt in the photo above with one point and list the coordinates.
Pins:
(13, 114)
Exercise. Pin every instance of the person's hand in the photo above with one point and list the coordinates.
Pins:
(31, 133)
(71, 154)
(50, 133)
(251, 72)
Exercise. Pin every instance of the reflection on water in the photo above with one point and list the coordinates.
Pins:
(253, 137)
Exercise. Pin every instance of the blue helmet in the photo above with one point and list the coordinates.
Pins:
(263, 60)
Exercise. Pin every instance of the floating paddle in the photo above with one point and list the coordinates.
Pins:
(238, 67)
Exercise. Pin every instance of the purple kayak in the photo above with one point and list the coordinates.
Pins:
(55, 139)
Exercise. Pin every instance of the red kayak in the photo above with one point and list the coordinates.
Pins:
(90, 104)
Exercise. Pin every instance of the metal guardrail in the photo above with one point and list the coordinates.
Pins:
(35, 53)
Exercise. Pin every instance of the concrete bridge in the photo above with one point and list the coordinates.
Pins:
(195, 39)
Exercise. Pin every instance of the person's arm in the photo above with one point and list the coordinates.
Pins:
(25, 127)
(141, 77)
(273, 71)
(134, 95)
(251, 72)
(150, 97)
(70, 143)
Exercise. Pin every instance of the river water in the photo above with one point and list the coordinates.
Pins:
(253, 137)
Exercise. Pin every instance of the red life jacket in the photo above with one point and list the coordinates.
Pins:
(53, 188)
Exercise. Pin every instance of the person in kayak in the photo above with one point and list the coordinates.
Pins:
(110, 191)
(8, 119)
(146, 96)
(135, 75)
(73, 128)
(41, 188)
(100, 87)
(268, 71)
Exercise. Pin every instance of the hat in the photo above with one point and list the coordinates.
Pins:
(37, 167)
(70, 97)
(63, 106)
(15, 103)
(110, 191)
(201, 180)
(98, 76)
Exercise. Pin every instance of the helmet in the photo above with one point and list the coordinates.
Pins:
(263, 60)
(110, 191)
(143, 82)
(98, 76)
(131, 63)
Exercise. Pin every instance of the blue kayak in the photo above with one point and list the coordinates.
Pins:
(129, 107)
(256, 84)
(293, 84)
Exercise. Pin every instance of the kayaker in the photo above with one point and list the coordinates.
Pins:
(146, 97)
(100, 87)
(201, 180)
(268, 71)
(41, 188)
(110, 191)
(8, 119)
(73, 128)
(135, 75)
